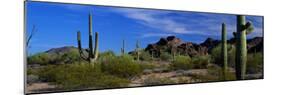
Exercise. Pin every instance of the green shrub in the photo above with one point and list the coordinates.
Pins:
(68, 58)
(255, 63)
(182, 63)
(200, 62)
(80, 76)
(216, 55)
(215, 74)
(40, 58)
(145, 56)
(144, 66)
(165, 56)
(32, 79)
(104, 56)
(121, 66)
(64, 58)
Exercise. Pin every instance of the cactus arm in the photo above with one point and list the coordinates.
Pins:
(81, 53)
(249, 28)
(96, 52)
(234, 34)
(224, 50)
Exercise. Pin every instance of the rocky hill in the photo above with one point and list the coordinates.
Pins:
(192, 49)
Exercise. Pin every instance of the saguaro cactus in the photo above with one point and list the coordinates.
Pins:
(243, 29)
(224, 50)
(137, 51)
(123, 47)
(173, 51)
(92, 54)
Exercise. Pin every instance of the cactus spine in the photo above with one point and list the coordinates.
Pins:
(137, 50)
(92, 54)
(123, 47)
(243, 28)
(224, 50)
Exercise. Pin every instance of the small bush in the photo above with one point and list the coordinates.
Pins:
(215, 74)
(121, 66)
(63, 58)
(144, 66)
(182, 63)
(68, 58)
(216, 55)
(32, 79)
(145, 56)
(165, 56)
(255, 63)
(200, 62)
(40, 58)
(80, 76)
(104, 56)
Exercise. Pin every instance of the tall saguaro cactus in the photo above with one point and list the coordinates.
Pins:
(123, 47)
(243, 29)
(92, 53)
(138, 50)
(224, 50)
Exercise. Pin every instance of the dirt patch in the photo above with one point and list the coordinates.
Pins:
(34, 87)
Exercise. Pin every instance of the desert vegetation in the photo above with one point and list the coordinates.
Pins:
(169, 61)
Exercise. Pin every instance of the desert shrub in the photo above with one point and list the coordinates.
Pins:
(32, 78)
(69, 57)
(254, 63)
(78, 76)
(121, 66)
(182, 63)
(216, 55)
(215, 74)
(165, 56)
(63, 58)
(200, 62)
(40, 58)
(154, 80)
(145, 56)
(104, 56)
(144, 66)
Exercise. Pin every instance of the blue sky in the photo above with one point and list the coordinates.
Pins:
(57, 25)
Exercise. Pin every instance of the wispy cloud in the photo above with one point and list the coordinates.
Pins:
(152, 19)
(185, 22)
(156, 35)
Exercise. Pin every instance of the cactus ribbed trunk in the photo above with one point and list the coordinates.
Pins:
(96, 50)
(137, 50)
(123, 47)
(224, 50)
(241, 48)
(90, 54)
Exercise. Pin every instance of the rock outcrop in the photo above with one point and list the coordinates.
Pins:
(194, 49)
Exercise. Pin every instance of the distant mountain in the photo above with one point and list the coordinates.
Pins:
(181, 47)
(61, 50)
(193, 49)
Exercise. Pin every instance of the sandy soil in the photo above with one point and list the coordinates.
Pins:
(39, 86)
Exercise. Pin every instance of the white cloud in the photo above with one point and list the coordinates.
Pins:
(206, 24)
(152, 19)
(155, 35)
